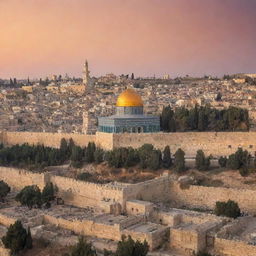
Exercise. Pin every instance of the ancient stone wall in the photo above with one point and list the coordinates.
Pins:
(83, 194)
(86, 227)
(233, 248)
(206, 197)
(74, 192)
(19, 178)
(143, 190)
(47, 139)
(215, 143)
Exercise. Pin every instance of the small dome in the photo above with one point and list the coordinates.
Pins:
(129, 98)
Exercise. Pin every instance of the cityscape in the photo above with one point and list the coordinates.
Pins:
(127, 135)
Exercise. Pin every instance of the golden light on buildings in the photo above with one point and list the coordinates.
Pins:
(129, 98)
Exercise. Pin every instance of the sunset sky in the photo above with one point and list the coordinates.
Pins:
(147, 37)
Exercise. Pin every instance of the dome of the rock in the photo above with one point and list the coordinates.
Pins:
(129, 98)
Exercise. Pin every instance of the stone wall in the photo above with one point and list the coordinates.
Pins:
(47, 139)
(19, 178)
(143, 190)
(86, 227)
(233, 248)
(74, 192)
(83, 194)
(215, 143)
(206, 197)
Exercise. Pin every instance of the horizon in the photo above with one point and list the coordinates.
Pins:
(178, 37)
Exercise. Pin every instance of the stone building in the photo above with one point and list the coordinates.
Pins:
(129, 116)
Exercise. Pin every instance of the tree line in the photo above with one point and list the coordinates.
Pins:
(204, 118)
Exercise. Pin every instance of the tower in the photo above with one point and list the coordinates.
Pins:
(86, 74)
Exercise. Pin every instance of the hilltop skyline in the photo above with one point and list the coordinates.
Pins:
(174, 37)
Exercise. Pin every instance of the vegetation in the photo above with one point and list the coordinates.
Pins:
(17, 238)
(83, 248)
(179, 161)
(204, 119)
(129, 247)
(203, 254)
(202, 162)
(125, 247)
(228, 209)
(167, 159)
(222, 161)
(48, 193)
(31, 196)
(4, 190)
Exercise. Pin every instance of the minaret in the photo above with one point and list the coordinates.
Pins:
(86, 74)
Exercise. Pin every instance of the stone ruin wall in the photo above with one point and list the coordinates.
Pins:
(206, 197)
(215, 143)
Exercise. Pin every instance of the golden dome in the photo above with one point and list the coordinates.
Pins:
(129, 98)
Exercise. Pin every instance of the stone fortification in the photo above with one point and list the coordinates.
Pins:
(19, 178)
(215, 143)
(44, 138)
(73, 192)
(206, 197)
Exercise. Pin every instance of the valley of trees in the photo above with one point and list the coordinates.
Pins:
(204, 119)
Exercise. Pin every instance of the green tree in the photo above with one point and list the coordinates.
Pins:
(89, 154)
(179, 161)
(29, 196)
(222, 161)
(228, 209)
(202, 162)
(29, 240)
(155, 160)
(15, 238)
(129, 247)
(98, 155)
(167, 160)
(64, 149)
(4, 190)
(83, 248)
(77, 157)
(48, 193)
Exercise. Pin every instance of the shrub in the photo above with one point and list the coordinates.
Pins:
(48, 193)
(83, 248)
(4, 190)
(30, 196)
(17, 238)
(244, 171)
(222, 161)
(228, 209)
(202, 162)
(128, 247)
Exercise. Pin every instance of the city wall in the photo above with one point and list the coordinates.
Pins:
(206, 197)
(73, 192)
(215, 143)
(44, 138)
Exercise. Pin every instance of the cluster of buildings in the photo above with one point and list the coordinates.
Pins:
(74, 105)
